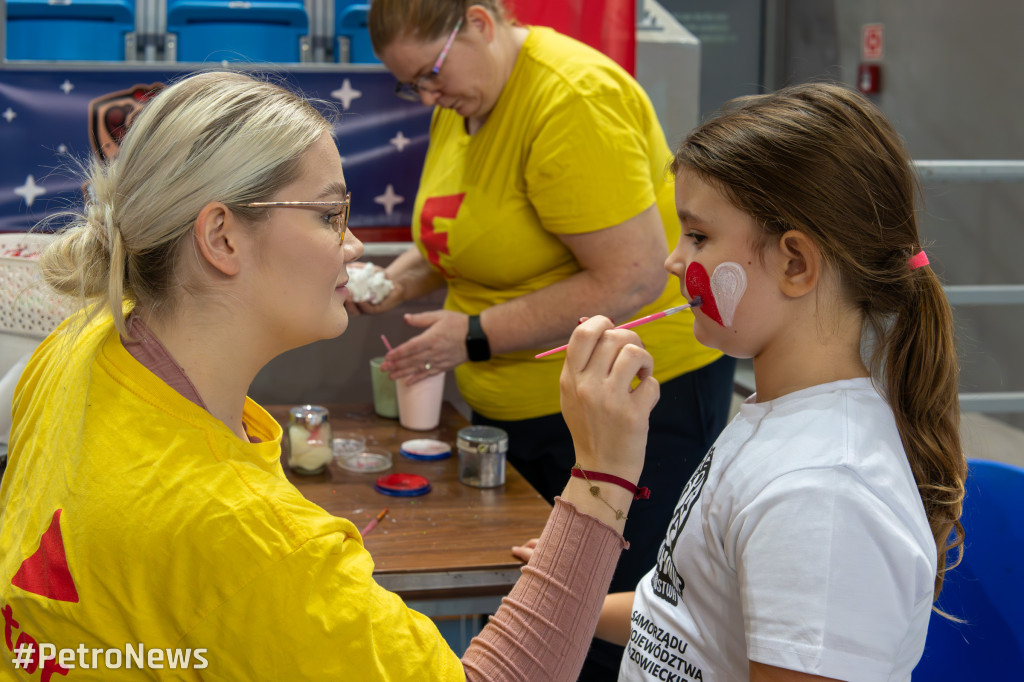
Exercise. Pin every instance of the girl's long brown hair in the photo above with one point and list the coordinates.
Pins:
(822, 159)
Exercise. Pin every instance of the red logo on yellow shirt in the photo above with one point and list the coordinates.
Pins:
(435, 242)
(46, 572)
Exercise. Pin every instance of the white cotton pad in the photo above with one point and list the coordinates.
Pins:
(369, 283)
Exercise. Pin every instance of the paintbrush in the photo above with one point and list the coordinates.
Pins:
(636, 323)
(373, 522)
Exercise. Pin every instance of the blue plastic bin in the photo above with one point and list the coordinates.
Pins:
(83, 30)
(252, 30)
(350, 23)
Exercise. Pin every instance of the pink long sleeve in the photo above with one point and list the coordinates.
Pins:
(542, 630)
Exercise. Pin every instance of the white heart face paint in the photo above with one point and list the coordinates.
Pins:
(728, 282)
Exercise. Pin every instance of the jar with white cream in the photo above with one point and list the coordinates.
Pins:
(309, 439)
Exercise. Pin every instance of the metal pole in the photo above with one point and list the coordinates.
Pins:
(161, 16)
(313, 12)
(982, 294)
(1004, 403)
(3, 32)
(971, 171)
(329, 42)
(152, 33)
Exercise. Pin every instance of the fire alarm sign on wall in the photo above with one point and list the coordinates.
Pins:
(871, 43)
(869, 72)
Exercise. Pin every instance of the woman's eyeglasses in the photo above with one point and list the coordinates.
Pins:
(339, 220)
(411, 91)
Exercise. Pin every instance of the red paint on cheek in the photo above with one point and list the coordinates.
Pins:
(699, 284)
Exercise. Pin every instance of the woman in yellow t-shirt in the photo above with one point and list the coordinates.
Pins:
(144, 505)
(544, 198)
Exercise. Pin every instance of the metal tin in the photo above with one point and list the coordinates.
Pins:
(482, 456)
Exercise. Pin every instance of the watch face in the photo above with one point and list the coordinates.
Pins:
(478, 350)
(477, 346)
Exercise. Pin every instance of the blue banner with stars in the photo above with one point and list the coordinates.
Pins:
(53, 120)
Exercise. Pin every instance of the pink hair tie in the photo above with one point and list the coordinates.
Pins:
(918, 260)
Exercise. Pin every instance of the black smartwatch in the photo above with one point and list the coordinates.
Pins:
(476, 341)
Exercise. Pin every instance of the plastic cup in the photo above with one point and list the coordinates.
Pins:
(385, 399)
(419, 404)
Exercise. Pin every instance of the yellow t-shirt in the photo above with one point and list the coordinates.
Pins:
(130, 517)
(573, 145)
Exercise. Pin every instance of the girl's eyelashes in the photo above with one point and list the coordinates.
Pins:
(697, 237)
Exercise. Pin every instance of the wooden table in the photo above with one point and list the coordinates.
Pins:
(452, 544)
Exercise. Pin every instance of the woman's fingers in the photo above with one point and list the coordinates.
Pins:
(583, 342)
(597, 350)
(439, 347)
(608, 391)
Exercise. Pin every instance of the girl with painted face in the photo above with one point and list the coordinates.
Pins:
(811, 542)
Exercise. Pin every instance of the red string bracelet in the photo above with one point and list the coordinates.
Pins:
(638, 493)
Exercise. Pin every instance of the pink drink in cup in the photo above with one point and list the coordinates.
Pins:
(419, 405)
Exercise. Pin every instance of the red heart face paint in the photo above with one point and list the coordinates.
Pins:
(721, 292)
(699, 284)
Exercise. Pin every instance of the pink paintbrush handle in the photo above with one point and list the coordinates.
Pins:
(635, 323)
(550, 352)
(373, 522)
(645, 320)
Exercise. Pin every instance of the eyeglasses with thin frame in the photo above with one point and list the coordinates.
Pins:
(411, 91)
(339, 220)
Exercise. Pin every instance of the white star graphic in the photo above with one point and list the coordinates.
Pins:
(389, 199)
(346, 93)
(9, 114)
(30, 190)
(400, 141)
(67, 87)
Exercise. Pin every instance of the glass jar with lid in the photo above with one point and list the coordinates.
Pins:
(309, 439)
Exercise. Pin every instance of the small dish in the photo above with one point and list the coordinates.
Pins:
(348, 443)
(367, 459)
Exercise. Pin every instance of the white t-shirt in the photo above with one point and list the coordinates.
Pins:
(800, 542)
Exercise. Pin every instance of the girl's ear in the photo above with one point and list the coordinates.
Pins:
(217, 235)
(801, 260)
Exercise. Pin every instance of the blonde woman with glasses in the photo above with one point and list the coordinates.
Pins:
(145, 506)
